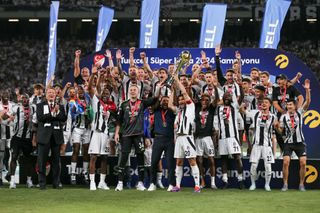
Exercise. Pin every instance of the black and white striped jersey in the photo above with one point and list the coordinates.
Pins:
(226, 120)
(263, 127)
(185, 119)
(292, 124)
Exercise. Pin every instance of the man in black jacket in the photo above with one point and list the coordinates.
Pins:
(50, 115)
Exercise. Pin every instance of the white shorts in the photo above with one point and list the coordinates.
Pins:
(66, 136)
(204, 146)
(185, 147)
(81, 136)
(99, 144)
(261, 152)
(229, 146)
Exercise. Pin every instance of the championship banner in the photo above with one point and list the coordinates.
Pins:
(274, 61)
(54, 9)
(149, 24)
(212, 25)
(274, 16)
(105, 20)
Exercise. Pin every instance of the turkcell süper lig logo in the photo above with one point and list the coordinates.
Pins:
(312, 119)
(311, 174)
(282, 61)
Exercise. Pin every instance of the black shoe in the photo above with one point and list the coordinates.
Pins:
(42, 187)
(85, 179)
(8, 177)
(241, 184)
(224, 185)
(59, 186)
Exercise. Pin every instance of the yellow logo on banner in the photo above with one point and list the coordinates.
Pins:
(311, 174)
(282, 61)
(312, 118)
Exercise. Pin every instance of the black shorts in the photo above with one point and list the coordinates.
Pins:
(19, 145)
(128, 141)
(298, 148)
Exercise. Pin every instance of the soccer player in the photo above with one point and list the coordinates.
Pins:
(130, 121)
(99, 143)
(203, 136)
(231, 86)
(6, 131)
(185, 146)
(79, 104)
(291, 123)
(254, 75)
(226, 125)
(21, 140)
(280, 96)
(263, 147)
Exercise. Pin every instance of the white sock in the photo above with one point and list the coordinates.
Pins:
(120, 182)
(179, 174)
(102, 177)
(213, 183)
(12, 178)
(225, 177)
(29, 179)
(73, 167)
(85, 166)
(91, 176)
(240, 177)
(196, 175)
(159, 176)
(268, 173)
(253, 173)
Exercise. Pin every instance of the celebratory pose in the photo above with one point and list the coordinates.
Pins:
(263, 148)
(185, 146)
(291, 123)
(226, 124)
(130, 121)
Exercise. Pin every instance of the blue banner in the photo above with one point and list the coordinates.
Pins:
(105, 20)
(212, 25)
(274, 16)
(149, 25)
(52, 57)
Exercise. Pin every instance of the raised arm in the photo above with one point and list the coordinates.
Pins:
(195, 74)
(65, 89)
(90, 86)
(119, 57)
(131, 57)
(182, 89)
(306, 86)
(146, 66)
(109, 56)
(221, 79)
(76, 71)
(49, 85)
(295, 79)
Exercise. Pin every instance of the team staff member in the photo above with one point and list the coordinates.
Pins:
(51, 116)
(164, 117)
(130, 121)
